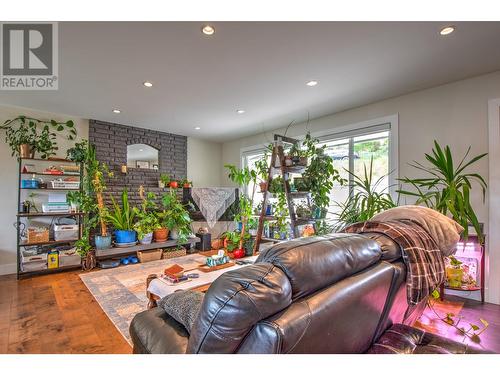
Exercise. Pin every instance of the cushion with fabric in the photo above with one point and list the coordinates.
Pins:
(312, 263)
(391, 251)
(183, 306)
(403, 339)
(235, 301)
(444, 231)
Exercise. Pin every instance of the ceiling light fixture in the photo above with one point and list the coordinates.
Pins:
(197, 128)
(240, 111)
(148, 84)
(312, 83)
(447, 30)
(116, 111)
(141, 150)
(208, 30)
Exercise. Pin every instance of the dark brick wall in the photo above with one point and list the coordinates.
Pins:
(111, 141)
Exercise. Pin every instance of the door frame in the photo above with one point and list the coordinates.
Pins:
(493, 236)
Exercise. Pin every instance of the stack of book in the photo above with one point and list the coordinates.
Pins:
(57, 203)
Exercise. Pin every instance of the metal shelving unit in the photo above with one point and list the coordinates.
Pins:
(24, 217)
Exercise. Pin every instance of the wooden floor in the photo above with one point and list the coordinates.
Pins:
(57, 314)
(54, 314)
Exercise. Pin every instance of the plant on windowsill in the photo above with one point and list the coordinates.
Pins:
(447, 189)
(366, 201)
(122, 219)
(27, 135)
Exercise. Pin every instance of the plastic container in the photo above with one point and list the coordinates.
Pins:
(65, 232)
(29, 184)
(69, 258)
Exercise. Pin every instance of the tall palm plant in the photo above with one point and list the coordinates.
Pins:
(447, 190)
(366, 201)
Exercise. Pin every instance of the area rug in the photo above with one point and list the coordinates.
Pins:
(121, 291)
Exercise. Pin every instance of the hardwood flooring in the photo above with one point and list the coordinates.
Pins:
(54, 314)
(57, 314)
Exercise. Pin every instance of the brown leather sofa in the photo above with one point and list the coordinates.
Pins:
(331, 294)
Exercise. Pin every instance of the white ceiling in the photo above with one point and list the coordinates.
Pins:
(260, 67)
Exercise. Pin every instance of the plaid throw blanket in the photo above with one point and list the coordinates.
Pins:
(424, 261)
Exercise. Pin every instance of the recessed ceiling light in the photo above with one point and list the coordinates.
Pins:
(141, 150)
(240, 111)
(116, 111)
(148, 84)
(312, 83)
(447, 30)
(208, 30)
(197, 128)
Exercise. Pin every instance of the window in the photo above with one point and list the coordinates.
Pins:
(352, 149)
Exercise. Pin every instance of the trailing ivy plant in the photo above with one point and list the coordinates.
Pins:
(40, 135)
(447, 189)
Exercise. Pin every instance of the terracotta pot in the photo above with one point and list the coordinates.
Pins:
(238, 253)
(160, 235)
(187, 185)
(263, 186)
(217, 244)
(174, 184)
(25, 151)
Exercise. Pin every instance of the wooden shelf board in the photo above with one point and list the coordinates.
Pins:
(25, 244)
(49, 160)
(75, 174)
(473, 289)
(49, 214)
(116, 251)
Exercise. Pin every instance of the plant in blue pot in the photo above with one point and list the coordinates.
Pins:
(122, 219)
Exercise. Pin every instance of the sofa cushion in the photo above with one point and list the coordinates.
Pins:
(391, 251)
(235, 301)
(312, 263)
(183, 306)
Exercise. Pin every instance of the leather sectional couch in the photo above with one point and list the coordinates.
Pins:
(333, 294)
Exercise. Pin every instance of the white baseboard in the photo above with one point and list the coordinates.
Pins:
(8, 269)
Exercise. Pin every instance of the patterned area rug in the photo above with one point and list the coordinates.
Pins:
(121, 291)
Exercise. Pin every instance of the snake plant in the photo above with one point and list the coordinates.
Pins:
(122, 217)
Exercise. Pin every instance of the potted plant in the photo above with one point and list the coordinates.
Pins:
(454, 272)
(253, 224)
(73, 198)
(186, 183)
(147, 221)
(26, 135)
(173, 184)
(78, 152)
(122, 218)
(177, 217)
(164, 181)
(447, 189)
(303, 211)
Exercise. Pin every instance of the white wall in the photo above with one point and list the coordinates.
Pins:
(203, 168)
(204, 160)
(453, 114)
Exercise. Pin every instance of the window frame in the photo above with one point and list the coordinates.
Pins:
(387, 123)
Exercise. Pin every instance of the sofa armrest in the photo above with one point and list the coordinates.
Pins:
(154, 331)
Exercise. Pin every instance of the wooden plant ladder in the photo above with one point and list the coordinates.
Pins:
(279, 155)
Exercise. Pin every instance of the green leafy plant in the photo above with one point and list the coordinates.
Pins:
(40, 135)
(366, 201)
(147, 220)
(165, 179)
(447, 190)
(320, 175)
(122, 217)
(175, 215)
(78, 152)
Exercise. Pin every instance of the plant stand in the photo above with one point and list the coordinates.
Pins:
(278, 162)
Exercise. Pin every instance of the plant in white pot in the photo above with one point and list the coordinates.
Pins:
(147, 221)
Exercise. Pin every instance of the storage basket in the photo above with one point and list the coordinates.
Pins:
(169, 254)
(61, 184)
(33, 262)
(149, 255)
(38, 235)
